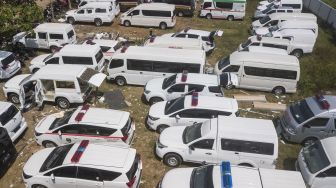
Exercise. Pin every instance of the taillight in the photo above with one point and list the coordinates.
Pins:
(131, 182)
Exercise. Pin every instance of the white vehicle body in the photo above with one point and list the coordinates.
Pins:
(108, 47)
(47, 36)
(207, 37)
(276, 18)
(266, 50)
(230, 9)
(138, 64)
(63, 84)
(85, 123)
(187, 110)
(12, 120)
(84, 165)
(260, 71)
(95, 12)
(114, 4)
(297, 5)
(241, 177)
(160, 15)
(72, 54)
(176, 43)
(9, 66)
(317, 163)
(241, 141)
(178, 85)
(271, 10)
(289, 24)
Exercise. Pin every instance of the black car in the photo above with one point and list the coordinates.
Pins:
(7, 151)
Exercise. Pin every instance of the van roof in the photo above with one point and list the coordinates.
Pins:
(264, 58)
(156, 6)
(298, 22)
(282, 15)
(315, 107)
(330, 149)
(166, 54)
(270, 40)
(55, 27)
(194, 78)
(101, 4)
(295, 32)
(77, 49)
(213, 103)
(250, 129)
(4, 54)
(263, 49)
(4, 106)
(59, 72)
(174, 41)
(229, 1)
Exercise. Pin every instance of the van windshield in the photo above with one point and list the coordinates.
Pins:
(56, 157)
(8, 115)
(264, 20)
(63, 120)
(192, 133)
(224, 62)
(202, 177)
(169, 81)
(9, 59)
(174, 105)
(247, 43)
(315, 157)
(301, 111)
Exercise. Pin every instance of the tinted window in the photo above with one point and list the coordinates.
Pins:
(182, 35)
(105, 48)
(139, 65)
(172, 67)
(295, 6)
(54, 61)
(56, 157)
(192, 36)
(88, 174)
(134, 13)
(207, 5)
(89, 11)
(232, 68)
(318, 122)
(100, 10)
(65, 84)
(71, 34)
(116, 63)
(195, 88)
(8, 115)
(42, 35)
(66, 172)
(224, 5)
(290, 11)
(108, 175)
(190, 113)
(156, 13)
(177, 88)
(77, 60)
(204, 144)
(104, 131)
(70, 129)
(56, 36)
(80, 11)
(8, 60)
(275, 46)
(215, 89)
(247, 146)
(331, 172)
(271, 73)
(99, 56)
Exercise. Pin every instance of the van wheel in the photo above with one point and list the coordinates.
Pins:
(230, 18)
(297, 53)
(127, 23)
(49, 144)
(279, 90)
(71, 20)
(98, 22)
(14, 98)
(63, 103)
(163, 26)
(160, 128)
(120, 81)
(172, 160)
(35, 70)
(309, 141)
(246, 164)
(209, 16)
(39, 186)
(180, 14)
(53, 49)
(154, 100)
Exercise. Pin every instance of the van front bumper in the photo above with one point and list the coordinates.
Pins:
(283, 133)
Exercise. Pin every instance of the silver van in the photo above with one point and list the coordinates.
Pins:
(308, 120)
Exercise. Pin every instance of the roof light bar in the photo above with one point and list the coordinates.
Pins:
(259, 37)
(184, 76)
(226, 175)
(79, 152)
(194, 99)
(82, 112)
(123, 49)
(322, 101)
(151, 39)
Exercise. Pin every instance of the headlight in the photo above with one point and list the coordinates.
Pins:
(159, 145)
(147, 91)
(26, 176)
(38, 134)
(152, 118)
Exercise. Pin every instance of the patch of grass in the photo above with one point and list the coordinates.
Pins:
(332, 3)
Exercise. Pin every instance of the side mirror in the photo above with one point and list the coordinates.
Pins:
(59, 133)
(321, 175)
(52, 177)
(191, 147)
(169, 91)
(177, 116)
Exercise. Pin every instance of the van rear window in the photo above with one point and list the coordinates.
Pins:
(77, 60)
(99, 56)
(248, 146)
(8, 60)
(8, 115)
(156, 13)
(70, 34)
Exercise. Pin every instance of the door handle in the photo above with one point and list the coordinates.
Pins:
(236, 153)
(164, 74)
(208, 153)
(140, 72)
(123, 71)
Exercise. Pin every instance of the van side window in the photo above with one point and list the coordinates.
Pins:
(318, 122)
(54, 61)
(195, 88)
(331, 172)
(156, 13)
(139, 65)
(55, 36)
(77, 60)
(88, 174)
(42, 35)
(294, 6)
(215, 89)
(275, 46)
(279, 11)
(181, 35)
(232, 68)
(65, 84)
(254, 44)
(89, 11)
(273, 11)
(100, 10)
(81, 11)
(207, 5)
(116, 63)
(172, 67)
(192, 36)
(290, 11)
(273, 22)
(204, 144)
(66, 172)
(177, 88)
(134, 13)
(224, 5)
(247, 146)
(272, 73)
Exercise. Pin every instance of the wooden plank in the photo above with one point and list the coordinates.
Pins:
(246, 98)
(269, 106)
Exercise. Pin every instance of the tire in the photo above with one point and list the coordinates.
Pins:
(160, 128)
(14, 98)
(163, 26)
(62, 103)
(71, 20)
(39, 186)
(246, 164)
(154, 100)
(120, 81)
(230, 18)
(308, 141)
(53, 49)
(209, 16)
(279, 90)
(180, 14)
(35, 70)
(98, 22)
(49, 144)
(297, 53)
(127, 23)
(172, 160)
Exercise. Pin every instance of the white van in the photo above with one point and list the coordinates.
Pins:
(242, 141)
(297, 5)
(276, 18)
(174, 42)
(138, 64)
(114, 4)
(62, 84)
(260, 71)
(271, 10)
(267, 50)
(289, 24)
(72, 54)
(9, 65)
(47, 36)
(230, 10)
(160, 15)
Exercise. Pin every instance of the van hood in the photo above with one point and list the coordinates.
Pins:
(256, 24)
(178, 177)
(157, 109)
(39, 59)
(34, 163)
(15, 81)
(154, 85)
(45, 123)
(172, 137)
(261, 31)
(70, 12)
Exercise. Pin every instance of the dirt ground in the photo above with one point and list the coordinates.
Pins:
(153, 169)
